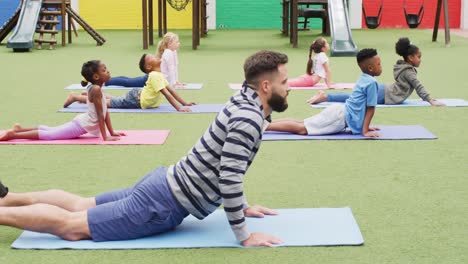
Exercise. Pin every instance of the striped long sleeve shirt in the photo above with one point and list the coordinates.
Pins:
(212, 172)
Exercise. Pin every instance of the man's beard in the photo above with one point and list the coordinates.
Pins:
(277, 102)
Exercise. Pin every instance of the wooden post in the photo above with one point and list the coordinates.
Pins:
(145, 19)
(69, 25)
(195, 23)
(164, 10)
(203, 18)
(447, 24)
(150, 22)
(285, 17)
(160, 18)
(63, 7)
(293, 22)
(436, 21)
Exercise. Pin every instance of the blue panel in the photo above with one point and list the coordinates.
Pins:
(7, 9)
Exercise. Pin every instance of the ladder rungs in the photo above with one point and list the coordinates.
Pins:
(45, 41)
(49, 22)
(48, 31)
(55, 2)
(50, 12)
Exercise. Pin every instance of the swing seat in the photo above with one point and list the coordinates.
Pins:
(373, 22)
(413, 20)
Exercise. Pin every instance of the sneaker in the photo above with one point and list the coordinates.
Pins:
(3, 190)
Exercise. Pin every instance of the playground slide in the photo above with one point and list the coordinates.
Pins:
(23, 37)
(342, 41)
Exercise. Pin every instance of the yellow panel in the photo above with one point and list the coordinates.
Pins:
(127, 14)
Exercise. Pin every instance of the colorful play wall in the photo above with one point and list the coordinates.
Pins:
(127, 14)
(393, 15)
(251, 14)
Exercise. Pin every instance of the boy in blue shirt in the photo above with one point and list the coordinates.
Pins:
(356, 113)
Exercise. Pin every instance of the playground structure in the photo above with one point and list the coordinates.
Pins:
(446, 22)
(42, 16)
(199, 18)
(336, 24)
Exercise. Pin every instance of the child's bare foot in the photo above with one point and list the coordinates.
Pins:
(17, 127)
(7, 135)
(319, 97)
(70, 100)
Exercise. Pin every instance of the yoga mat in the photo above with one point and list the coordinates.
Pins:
(187, 86)
(386, 133)
(318, 86)
(164, 108)
(133, 137)
(296, 227)
(408, 103)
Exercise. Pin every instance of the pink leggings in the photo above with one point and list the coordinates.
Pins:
(302, 81)
(69, 130)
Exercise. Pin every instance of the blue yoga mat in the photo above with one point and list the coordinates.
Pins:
(187, 86)
(386, 133)
(164, 108)
(409, 103)
(296, 227)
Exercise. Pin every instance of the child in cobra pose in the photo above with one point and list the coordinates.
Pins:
(356, 113)
(167, 51)
(406, 80)
(317, 66)
(148, 97)
(94, 121)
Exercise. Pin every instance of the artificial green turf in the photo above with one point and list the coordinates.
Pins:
(409, 197)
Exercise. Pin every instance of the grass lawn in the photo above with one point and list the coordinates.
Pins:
(408, 197)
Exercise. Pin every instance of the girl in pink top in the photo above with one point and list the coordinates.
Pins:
(317, 66)
(167, 51)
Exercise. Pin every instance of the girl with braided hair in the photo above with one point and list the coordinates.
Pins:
(317, 66)
(94, 121)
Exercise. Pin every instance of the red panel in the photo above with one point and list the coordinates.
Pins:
(393, 15)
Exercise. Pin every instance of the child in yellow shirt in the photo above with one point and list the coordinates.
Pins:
(148, 97)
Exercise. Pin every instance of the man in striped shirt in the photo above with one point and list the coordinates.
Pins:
(209, 176)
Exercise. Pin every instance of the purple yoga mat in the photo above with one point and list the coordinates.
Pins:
(186, 86)
(164, 108)
(386, 133)
(318, 86)
(409, 103)
(133, 137)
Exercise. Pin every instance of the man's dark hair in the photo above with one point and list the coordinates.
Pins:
(365, 54)
(142, 63)
(262, 62)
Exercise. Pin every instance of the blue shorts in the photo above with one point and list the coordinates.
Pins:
(130, 100)
(145, 209)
